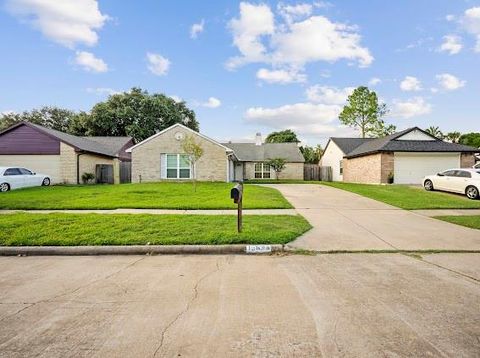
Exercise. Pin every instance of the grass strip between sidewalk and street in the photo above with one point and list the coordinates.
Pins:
(471, 221)
(408, 197)
(163, 195)
(25, 229)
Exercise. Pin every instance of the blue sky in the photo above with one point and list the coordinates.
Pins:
(251, 66)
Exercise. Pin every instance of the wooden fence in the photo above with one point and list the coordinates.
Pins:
(315, 172)
(125, 172)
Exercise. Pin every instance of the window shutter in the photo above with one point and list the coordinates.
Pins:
(163, 166)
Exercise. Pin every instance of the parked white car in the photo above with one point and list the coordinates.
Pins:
(462, 181)
(16, 177)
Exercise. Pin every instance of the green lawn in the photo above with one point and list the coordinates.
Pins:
(122, 229)
(141, 196)
(407, 197)
(472, 221)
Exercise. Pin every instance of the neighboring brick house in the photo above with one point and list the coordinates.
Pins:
(62, 156)
(160, 157)
(408, 155)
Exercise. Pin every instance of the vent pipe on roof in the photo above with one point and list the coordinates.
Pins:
(258, 139)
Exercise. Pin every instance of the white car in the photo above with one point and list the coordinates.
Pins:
(17, 177)
(462, 181)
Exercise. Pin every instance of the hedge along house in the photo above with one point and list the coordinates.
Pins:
(408, 155)
(64, 157)
(161, 157)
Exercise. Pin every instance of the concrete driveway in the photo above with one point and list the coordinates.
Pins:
(356, 305)
(346, 221)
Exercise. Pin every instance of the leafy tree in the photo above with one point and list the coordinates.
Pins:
(47, 116)
(453, 137)
(382, 129)
(286, 136)
(137, 114)
(195, 152)
(363, 111)
(312, 155)
(471, 139)
(277, 164)
(435, 131)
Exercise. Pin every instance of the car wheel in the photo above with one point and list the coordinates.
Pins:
(428, 185)
(471, 192)
(46, 182)
(4, 187)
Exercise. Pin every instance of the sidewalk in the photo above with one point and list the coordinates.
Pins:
(159, 212)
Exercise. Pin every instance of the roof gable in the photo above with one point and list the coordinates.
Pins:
(177, 125)
(250, 152)
(347, 145)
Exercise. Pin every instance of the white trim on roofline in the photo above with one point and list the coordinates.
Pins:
(129, 150)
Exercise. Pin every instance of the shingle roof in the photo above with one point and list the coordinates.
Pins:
(349, 144)
(250, 152)
(391, 143)
(99, 145)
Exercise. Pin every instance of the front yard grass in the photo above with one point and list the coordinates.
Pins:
(407, 197)
(142, 196)
(471, 221)
(56, 229)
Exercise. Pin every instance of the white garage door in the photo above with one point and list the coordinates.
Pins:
(45, 164)
(410, 168)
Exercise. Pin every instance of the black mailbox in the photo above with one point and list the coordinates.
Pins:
(236, 193)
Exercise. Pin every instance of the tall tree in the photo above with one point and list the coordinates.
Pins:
(363, 111)
(137, 114)
(453, 137)
(47, 116)
(312, 155)
(435, 131)
(286, 136)
(471, 139)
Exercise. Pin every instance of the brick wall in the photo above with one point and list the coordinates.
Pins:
(68, 164)
(88, 164)
(291, 171)
(369, 169)
(467, 160)
(212, 166)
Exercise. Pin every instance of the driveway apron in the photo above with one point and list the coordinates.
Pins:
(343, 220)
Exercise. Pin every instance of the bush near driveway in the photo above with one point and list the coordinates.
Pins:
(164, 195)
(471, 221)
(408, 197)
(123, 229)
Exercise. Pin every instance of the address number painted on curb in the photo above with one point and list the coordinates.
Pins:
(258, 249)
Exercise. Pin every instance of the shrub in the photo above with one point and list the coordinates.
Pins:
(87, 178)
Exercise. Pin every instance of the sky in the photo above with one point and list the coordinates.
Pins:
(248, 67)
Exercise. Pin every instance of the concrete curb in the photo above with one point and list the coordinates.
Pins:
(131, 250)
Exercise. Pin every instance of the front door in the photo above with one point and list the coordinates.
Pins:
(238, 171)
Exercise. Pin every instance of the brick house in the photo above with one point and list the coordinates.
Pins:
(160, 157)
(61, 156)
(408, 155)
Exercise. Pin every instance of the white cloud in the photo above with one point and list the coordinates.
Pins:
(89, 62)
(374, 81)
(280, 76)
(293, 43)
(413, 107)
(197, 29)
(212, 103)
(101, 91)
(410, 83)
(450, 17)
(303, 118)
(67, 22)
(451, 44)
(449, 82)
(157, 64)
(294, 12)
(7, 112)
(471, 23)
(254, 21)
(328, 95)
(176, 98)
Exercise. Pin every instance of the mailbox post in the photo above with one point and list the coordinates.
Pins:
(236, 193)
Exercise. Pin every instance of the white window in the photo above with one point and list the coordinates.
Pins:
(178, 166)
(262, 171)
(341, 167)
